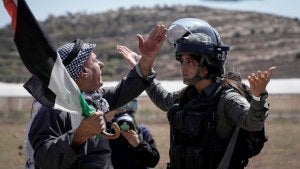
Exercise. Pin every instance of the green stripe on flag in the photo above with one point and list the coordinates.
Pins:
(86, 109)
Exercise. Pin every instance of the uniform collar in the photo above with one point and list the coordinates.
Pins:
(210, 91)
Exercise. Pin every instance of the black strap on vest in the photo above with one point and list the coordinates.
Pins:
(74, 52)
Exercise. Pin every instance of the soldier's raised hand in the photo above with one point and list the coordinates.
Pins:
(258, 81)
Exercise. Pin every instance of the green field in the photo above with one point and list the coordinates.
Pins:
(282, 151)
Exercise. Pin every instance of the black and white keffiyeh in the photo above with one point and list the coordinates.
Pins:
(76, 64)
(95, 99)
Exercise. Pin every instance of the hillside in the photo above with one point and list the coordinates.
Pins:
(257, 40)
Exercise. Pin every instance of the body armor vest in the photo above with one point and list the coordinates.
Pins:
(194, 143)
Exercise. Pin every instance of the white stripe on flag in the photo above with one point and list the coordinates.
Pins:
(66, 90)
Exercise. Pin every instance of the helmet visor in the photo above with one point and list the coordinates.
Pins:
(184, 27)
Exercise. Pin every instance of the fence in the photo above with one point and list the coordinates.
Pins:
(281, 106)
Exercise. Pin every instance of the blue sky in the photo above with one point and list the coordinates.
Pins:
(43, 8)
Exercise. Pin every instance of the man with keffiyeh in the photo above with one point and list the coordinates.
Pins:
(66, 140)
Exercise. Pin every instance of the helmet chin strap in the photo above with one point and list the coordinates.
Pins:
(195, 79)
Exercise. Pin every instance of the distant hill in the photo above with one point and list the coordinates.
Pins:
(257, 40)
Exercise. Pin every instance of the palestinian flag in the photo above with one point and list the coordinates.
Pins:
(50, 84)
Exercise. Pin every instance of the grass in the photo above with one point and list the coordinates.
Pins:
(281, 151)
(11, 141)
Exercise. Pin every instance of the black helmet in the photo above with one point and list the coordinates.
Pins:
(197, 37)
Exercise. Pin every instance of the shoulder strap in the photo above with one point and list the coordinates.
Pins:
(229, 150)
(224, 164)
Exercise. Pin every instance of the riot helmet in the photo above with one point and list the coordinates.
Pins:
(196, 37)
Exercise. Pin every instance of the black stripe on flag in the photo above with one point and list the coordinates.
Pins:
(40, 91)
(37, 54)
(34, 48)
